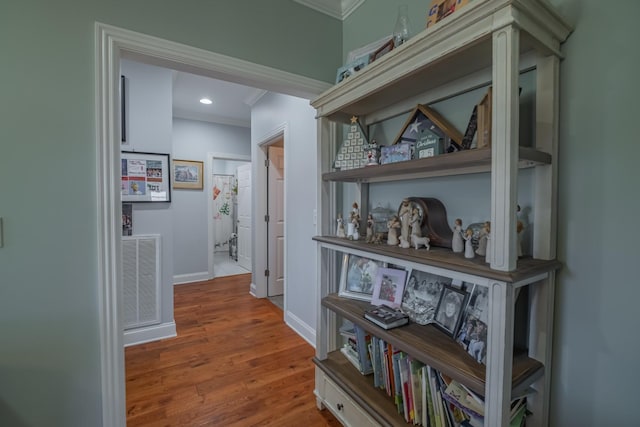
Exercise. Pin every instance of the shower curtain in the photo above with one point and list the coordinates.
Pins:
(224, 191)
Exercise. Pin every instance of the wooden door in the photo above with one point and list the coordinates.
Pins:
(275, 282)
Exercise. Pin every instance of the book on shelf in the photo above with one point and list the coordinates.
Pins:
(386, 317)
(356, 349)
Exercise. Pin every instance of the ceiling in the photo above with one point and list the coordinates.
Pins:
(232, 102)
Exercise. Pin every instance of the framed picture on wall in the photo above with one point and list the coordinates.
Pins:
(145, 177)
(187, 174)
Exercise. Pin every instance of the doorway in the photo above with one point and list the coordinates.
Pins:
(112, 43)
(229, 212)
(275, 213)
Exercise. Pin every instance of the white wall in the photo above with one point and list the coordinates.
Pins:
(272, 112)
(149, 130)
(192, 140)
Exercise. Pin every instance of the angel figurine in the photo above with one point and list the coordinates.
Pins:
(482, 240)
(355, 222)
(405, 217)
(457, 243)
(340, 231)
(370, 224)
(393, 225)
(468, 245)
(487, 225)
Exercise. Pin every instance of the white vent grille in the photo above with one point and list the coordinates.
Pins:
(141, 280)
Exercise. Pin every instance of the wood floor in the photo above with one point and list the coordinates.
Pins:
(233, 363)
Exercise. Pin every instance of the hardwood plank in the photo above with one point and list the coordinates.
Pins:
(234, 363)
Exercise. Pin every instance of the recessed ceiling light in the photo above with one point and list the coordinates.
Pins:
(206, 101)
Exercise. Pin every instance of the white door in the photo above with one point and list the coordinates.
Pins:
(244, 216)
(275, 283)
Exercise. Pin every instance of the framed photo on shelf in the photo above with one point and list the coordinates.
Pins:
(357, 277)
(422, 295)
(450, 309)
(187, 174)
(389, 287)
(472, 335)
(400, 152)
(145, 177)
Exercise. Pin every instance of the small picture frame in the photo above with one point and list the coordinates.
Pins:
(358, 276)
(389, 287)
(422, 295)
(395, 153)
(450, 309)
(351, 68)
(382, 50)
(187, 174)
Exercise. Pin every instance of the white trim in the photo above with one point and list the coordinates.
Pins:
(254, 97)
(339, 9)
(181, 279)
(110, 44)
(203, 117)
(259, 175)
(301, 328)
(211, 156)
(149, 333)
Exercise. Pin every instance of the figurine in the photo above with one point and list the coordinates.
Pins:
(355, 235)
(404, 243)
(416, 220)
(340, 231)
(457, 244)
(405, 217)
(468, 245)
(420, 241)
(355, 211)
(370, 225)
(393, 225)
(482, 241)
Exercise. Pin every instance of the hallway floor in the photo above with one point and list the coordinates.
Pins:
(224, 265)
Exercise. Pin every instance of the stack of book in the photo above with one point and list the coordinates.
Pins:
(386, 317)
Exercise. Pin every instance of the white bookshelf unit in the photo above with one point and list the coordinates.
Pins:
(488, 42)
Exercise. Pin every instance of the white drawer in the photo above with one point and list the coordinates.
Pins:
(344, 408)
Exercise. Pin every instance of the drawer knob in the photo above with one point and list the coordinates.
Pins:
(339, 406)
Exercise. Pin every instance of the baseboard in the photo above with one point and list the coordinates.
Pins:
(252, 290)
(181, 279)
(149, 333)
(301, 328)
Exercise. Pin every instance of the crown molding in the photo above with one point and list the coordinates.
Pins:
(339, 9)
(254, 97)
(203, 117)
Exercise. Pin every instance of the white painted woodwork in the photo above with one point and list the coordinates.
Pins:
(487, 42)
(504, 149)
(244, 216)
(546, 178)
(276, 227)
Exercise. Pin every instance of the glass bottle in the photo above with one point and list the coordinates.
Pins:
(401, 31)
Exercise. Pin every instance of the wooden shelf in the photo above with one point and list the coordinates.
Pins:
(445, 258)
(436, 349)
(377, 404)
(459, 163)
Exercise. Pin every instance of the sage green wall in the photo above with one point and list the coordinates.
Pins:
(595, 371)
(49, 354)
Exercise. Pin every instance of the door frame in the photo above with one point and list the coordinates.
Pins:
(211, 156)
(260, 285)
(112, 43)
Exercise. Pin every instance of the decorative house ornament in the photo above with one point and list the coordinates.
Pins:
(355, 151)
(429, 133)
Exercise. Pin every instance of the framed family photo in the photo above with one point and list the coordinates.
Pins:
(389, 287)
(187, 174)
(357, 277)
(422, 295)
(450, 309)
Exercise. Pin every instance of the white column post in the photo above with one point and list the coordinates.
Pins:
(504, 148)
